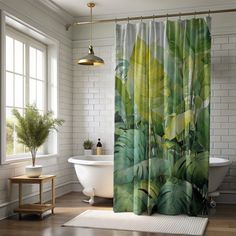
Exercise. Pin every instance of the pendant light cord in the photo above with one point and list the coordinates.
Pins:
(91, 59)
(91, 20)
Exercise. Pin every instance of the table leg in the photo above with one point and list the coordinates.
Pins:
(41, 193)
(20, 194)
(53, 195)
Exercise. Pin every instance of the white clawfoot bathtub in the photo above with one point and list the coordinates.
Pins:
(218, 170)
(95, 174)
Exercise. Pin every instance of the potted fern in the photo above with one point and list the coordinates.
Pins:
(88, 144)
(32, 130)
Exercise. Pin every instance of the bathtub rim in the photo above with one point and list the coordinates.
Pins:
(219, 161)
(75, 160)
(213, 161)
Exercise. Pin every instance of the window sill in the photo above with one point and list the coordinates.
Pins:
(21, 159)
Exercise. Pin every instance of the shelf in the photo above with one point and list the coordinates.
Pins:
(34, 208)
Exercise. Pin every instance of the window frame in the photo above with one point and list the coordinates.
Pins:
(51, 83)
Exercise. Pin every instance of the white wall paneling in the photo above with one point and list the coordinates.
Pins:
(45, 21)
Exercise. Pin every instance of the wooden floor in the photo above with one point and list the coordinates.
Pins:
(221, 223)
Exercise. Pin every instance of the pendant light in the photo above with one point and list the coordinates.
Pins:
(91, 59)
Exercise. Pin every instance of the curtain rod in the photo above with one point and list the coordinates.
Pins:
(152, 17)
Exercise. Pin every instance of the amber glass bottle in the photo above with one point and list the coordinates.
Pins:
(99, 148)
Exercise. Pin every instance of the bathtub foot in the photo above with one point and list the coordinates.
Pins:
(212, 203)
(90, 201)
(90, 193)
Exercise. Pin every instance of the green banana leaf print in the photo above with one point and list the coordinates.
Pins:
(162, 117)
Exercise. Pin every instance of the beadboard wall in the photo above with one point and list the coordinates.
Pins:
(46, 21)
(93, 105)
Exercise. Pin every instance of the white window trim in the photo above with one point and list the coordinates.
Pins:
(3, 89)
(52, 81)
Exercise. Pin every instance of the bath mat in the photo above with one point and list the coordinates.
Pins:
(157, 223)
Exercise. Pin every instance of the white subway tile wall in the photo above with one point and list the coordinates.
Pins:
(93, 100)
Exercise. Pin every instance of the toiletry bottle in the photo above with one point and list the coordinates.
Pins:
(99, 148)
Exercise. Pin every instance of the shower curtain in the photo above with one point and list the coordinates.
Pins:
(162, 112)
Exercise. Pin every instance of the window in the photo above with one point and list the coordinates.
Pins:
(25, 82)
(28, 75)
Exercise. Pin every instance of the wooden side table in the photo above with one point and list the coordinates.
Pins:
(40, 207)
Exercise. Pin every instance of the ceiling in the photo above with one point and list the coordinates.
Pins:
(116, 8)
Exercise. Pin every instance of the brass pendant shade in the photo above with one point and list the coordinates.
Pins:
(90, 59)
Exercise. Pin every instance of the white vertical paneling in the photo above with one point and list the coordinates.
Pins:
(44, 20)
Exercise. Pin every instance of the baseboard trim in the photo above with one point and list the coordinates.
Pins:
(76, 186)
(227, 197)
(6, 209)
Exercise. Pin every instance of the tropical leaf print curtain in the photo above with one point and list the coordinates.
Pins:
(162, 111)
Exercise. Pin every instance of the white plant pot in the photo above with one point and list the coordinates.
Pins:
(88, 152)
(33, 171)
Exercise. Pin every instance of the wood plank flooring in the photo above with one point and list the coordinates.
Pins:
(221, 223)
